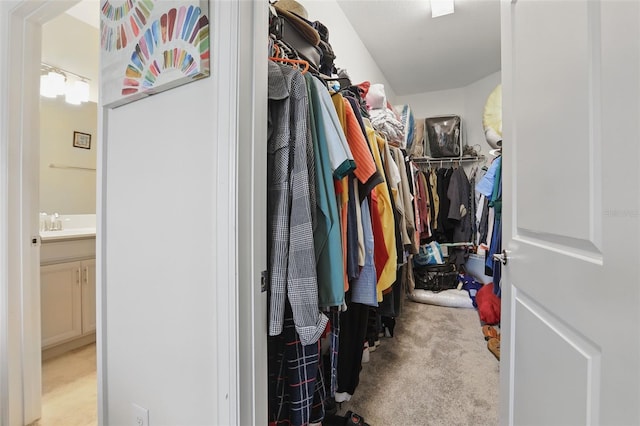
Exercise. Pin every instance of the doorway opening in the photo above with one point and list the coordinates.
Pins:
(418, 350)
(60, 47)
(67, 215)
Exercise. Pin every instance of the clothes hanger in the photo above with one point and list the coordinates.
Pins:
(474, 171)
(275, 49)
(343, 81)
(283, 53)
(302, 62)
(286, 51)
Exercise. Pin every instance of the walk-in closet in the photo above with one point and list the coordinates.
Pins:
(329, 290)
(383, 223)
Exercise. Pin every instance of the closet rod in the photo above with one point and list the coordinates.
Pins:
(64, 166)
(457, 244)
(446, 159)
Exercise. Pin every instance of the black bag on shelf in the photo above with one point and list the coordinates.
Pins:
(436, 277)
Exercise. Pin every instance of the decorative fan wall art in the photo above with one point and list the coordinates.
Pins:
(149, 46)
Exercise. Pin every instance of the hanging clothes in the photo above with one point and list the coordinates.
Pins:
(341, 222)
(424, 206)
(494, 266)
(363, 289)
(459, 215)
(445, 227)
(407, 201)
(296, 383)
(326, 233)
(385, 213)
(353, 244)
(341, 158)
(413, 173)
(353, 330)
(291, 252)
(434, 199)
(366, 171)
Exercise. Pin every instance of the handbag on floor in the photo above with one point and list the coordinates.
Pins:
(436, 277)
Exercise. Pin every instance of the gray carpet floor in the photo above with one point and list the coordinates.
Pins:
(436, 370)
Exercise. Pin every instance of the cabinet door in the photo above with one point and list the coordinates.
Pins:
(60, 299)
(88, 296)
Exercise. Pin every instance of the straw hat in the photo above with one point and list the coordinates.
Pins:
(297, 15)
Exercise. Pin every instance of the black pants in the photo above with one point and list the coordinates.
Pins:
(353, 331)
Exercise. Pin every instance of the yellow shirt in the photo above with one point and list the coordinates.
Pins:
(388, 275)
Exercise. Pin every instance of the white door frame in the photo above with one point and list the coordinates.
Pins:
(242, 363)
(251, 210)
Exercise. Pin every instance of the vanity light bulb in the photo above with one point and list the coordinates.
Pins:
(82, 90)
(71, 97)
(46, 88)
(57, 82)
(77, 92)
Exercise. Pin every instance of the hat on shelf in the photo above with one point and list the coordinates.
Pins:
(297, 15)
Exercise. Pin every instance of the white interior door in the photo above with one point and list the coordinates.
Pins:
(570, 348)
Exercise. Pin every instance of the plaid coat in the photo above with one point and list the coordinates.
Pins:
(290, 189)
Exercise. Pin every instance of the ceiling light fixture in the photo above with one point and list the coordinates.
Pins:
(77, 92)
(441, 8)
(56, 81)
(47, 89)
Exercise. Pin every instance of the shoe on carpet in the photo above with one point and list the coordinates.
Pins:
(349, 419)
(494, 346)
(342, 397)
(365, 353)
(489, 332)
(353, 419)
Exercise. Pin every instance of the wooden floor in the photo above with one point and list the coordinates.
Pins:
(69, 389)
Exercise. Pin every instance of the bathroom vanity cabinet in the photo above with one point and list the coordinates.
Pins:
(67, 292)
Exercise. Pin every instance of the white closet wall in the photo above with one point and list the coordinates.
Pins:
(468, 102)
(351, 53)
(169, 245)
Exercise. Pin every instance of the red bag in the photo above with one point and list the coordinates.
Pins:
(488, 305)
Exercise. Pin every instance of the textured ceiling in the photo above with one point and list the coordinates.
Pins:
(418, 53)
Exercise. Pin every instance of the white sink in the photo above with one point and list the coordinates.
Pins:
(73, 226)
(68, 233)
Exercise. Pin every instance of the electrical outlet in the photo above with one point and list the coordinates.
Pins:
(139, 415)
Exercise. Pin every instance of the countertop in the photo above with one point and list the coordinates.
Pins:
(67, 234)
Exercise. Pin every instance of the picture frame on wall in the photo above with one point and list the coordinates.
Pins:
(149, 46)
(443, 136)
(82, 140)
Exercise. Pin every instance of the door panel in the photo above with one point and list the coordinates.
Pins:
(572, 357)
(571, 341)
(562, 49)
